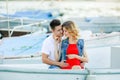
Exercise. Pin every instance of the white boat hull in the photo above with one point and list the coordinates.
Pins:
(34, 72)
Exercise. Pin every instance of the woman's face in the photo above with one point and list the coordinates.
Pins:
(65, 32)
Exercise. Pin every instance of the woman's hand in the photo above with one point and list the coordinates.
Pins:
(72, 56)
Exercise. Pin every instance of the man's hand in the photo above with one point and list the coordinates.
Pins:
(63, 64)
(58, 39)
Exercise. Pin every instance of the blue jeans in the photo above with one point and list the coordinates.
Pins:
(54, 67)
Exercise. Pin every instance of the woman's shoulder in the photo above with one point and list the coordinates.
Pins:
(81, 41)
(65, 42)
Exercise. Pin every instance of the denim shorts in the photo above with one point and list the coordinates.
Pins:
(54, 67)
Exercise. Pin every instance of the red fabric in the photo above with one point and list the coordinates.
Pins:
(72, 49)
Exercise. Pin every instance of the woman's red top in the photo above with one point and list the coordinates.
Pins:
(72, 49)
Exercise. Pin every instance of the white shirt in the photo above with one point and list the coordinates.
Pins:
(48, 47)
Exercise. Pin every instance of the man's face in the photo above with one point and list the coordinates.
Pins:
(58, 31)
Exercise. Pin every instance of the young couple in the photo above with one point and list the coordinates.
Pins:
(68, 53)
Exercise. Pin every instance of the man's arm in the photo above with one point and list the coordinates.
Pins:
(46, 60)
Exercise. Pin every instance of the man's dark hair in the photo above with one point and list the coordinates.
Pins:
(54, 23)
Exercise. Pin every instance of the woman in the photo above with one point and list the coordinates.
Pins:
(72, 48)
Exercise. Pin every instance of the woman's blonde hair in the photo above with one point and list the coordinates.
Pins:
(71, 28)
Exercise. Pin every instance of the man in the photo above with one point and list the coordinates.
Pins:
(51, 46)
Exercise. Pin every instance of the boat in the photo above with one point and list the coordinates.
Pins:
(100, 24)
(22, 45)
(26, 50)
(35, 72)
(23, 62)
(25, 22)
(32, 68)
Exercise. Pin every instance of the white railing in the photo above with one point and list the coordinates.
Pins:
(8, 20)
(22, 24)
(30, 25)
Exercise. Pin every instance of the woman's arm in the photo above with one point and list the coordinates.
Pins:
(84, 58)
